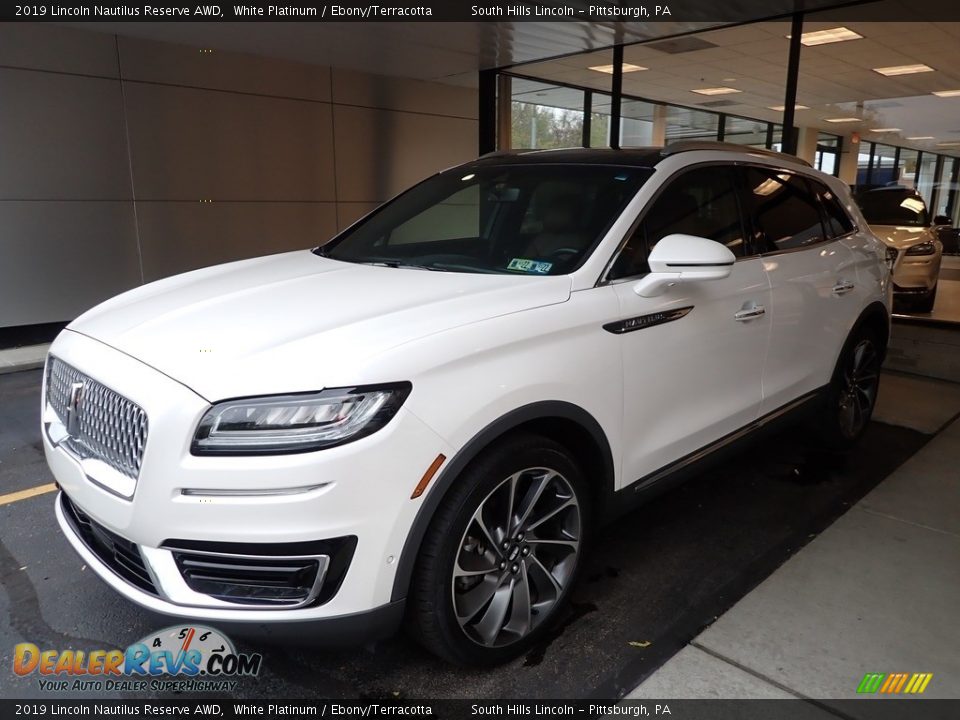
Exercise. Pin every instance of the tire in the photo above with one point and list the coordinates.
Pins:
(852, 395)
(480, 596)
(926, 303)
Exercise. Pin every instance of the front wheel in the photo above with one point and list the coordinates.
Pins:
(501, 554)
(852, 395)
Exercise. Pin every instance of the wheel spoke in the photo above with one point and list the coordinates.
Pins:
(535, 563)
(573, 544)
(476, 599)
(481, 523)
(857, 416)
(846, 417)
(535, 494)
(520, 615)
(511, 495)
(490, 625)
(551, 513)
(459, 572)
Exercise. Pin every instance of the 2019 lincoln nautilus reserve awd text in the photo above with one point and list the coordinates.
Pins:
(422, 420)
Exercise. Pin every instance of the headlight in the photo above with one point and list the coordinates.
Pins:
(280, 424)
(924, 248)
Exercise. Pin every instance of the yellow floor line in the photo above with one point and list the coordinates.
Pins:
(28, 493)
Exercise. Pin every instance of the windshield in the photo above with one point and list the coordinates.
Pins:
(509, 219)
(893, 207)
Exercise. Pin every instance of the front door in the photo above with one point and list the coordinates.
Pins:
(692, 357)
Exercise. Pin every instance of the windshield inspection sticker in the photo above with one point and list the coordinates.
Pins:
(530, 266)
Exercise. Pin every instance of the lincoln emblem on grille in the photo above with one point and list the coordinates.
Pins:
(73, 409)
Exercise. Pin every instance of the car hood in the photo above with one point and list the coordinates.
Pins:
(296, 321)
(900, 236)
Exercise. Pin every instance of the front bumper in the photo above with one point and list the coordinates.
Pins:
(360, 490)
(349, 629)
(916, 274)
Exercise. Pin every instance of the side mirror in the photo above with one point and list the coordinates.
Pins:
(942, 220)
(684, 258)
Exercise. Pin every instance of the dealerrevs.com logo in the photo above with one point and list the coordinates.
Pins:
(180, 658)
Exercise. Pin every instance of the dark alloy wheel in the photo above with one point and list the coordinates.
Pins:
(501, 553)
(516, 556)
(861, 379)
(853, 392)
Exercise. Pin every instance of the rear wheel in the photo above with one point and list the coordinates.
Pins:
(853, 391)
(501, 554)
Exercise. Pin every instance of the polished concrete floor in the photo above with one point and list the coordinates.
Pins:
(878, 591)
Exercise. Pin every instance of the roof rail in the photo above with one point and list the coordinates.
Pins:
(691, 145)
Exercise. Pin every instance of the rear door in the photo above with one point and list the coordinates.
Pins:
(813, 282)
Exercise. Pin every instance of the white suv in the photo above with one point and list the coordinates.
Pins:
(426, 417)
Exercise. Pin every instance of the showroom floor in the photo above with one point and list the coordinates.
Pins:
(876, 592)
(654, 580)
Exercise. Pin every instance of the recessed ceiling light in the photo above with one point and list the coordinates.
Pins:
(781, 108)
(824, 37)
(608, 69)
(949, 144)
(947, 93)
(842, 120)
(921, 137)
(716, 91)
(729, 79)
(903, 69)
(884, 130)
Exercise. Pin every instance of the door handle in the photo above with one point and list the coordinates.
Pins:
(843, 287)
(750, 313)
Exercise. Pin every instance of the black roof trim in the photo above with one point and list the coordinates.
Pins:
(638, 157)
(646, 157)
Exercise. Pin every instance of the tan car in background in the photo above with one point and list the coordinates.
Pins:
(901, 219)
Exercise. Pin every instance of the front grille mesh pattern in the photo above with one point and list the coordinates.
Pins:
(108, 427)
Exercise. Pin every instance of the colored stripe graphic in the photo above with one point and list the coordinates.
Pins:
(871, 682)
(894, 683)
(890, 682)
(922, 680)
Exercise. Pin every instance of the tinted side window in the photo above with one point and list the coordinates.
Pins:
(837, 221)
(700, 202)
(784, 212)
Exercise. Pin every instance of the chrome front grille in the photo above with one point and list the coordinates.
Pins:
(104, 425)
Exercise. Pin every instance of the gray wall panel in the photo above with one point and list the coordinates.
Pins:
(179, 236)
(43, 46)
(380, 153)
(350, 212)
(190, 66)
(61, 258)
(189, 144)
(392, 93)
(61, 138)
(214, 126)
